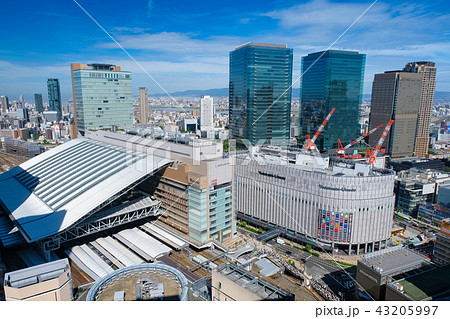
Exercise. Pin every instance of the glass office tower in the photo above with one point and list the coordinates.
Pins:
(102, 96)
(38, 103)
(259, 75)
(54, 97)
(333, 81)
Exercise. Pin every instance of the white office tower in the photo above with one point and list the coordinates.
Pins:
(206, 113)
(143, 105)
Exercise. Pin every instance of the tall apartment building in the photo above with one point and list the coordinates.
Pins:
(260, 92)
(38, 103)
(143, 105)
(333, 79)
(5, 104)
(102, 96)
(206, 113)
(396, 96)
(428, 72)
(54, 96)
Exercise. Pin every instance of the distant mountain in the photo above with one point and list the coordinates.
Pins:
(197, 93)
(442, 96)
(438, 95)
(295, 94)
(213, 92)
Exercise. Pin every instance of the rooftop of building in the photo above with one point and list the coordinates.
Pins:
(257, 44)
(152, 281)
(258, 286)
(336, 51)
(309, 161)
(394, 260)
(36, 274)
(432, 284)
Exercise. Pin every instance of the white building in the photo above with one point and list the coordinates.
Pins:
(206, 113)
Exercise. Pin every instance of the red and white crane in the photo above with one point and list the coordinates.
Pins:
(309, 143)
(373, 154)
(341, 150)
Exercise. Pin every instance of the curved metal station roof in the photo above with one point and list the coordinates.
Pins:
(55, 190)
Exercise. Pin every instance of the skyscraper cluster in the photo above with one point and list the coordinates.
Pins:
(260, 99)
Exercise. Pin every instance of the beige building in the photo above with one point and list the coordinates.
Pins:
(143, 105)
(233, 283)
(47, 282)
(396, 95)
(196, 191)
(428, 72)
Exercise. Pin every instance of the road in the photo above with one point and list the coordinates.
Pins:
(304, 256)
(334, 276)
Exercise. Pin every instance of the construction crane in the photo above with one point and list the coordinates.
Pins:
(309, 143)
(341, 150)
(373, 154)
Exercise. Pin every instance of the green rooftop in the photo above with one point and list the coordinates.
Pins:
(431, 284)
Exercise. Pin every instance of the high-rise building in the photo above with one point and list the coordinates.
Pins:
(54, 96)
(5, 104)
(206, 113)
(102, 96)
(22, 102)
(428, 72)
(396, 96)
(333, 79)
(143, 105)
(38, 103)
(260, 92)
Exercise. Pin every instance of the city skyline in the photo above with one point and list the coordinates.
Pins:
(191, 42)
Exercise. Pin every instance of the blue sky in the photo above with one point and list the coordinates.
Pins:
(185, 44)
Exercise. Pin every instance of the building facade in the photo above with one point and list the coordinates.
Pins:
(428, 72)
(196, 192)
(260, 93)
(54, 96)
(396, 96)
(343, 204)
(206, 113)
(143, 105)
(38, 103)
(333, 79)
(102, 96)
(5, 104)
(441, 254)
(47, 282)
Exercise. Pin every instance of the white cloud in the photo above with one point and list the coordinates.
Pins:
(177, 43)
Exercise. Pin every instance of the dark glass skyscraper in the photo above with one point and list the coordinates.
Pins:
(38, 103)
(334, 81)
(396, 95)
(259, 75)
(54, 96)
